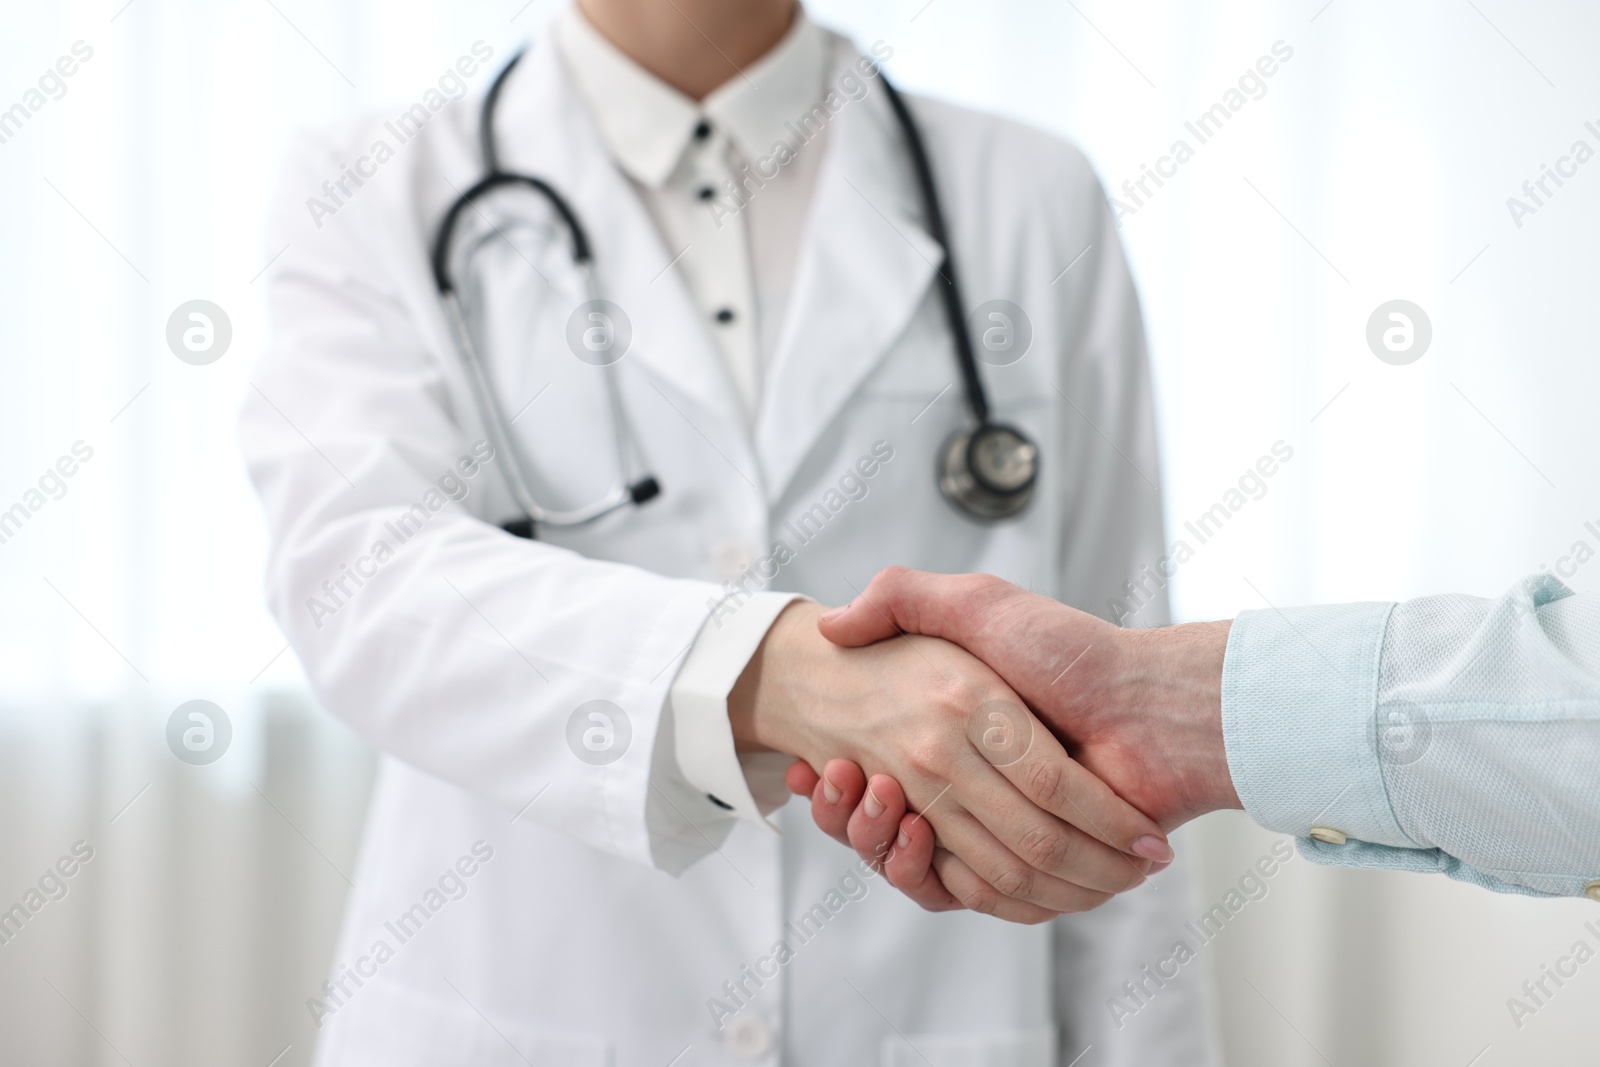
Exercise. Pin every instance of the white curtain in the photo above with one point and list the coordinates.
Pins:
(1374, 163)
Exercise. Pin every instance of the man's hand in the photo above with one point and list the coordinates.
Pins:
(1024, 831)
(1141, 709)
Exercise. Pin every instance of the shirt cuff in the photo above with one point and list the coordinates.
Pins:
(1299, 720)
(750, 784)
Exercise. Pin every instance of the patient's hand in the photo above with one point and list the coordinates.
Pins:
(1024, 831)
(1141, 709)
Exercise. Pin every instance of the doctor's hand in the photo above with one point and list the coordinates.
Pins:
(1023, 831)
(1139, 708)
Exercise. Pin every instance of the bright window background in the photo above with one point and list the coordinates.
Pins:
(1376, 166)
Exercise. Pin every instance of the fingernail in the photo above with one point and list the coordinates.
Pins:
(874, 807)
(833, 613)
(1152, 847)
(903, 841)
(830, 792)
(1157, 868)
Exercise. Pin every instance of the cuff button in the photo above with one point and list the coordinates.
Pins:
(1328, 835)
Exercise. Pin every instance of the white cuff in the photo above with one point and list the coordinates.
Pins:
(751, 784)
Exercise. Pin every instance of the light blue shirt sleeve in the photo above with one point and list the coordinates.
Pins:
(1450, 733)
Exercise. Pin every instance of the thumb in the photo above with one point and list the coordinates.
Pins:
(872, 616)
(897, 600)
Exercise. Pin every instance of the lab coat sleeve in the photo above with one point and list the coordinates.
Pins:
(1450, 734)
(526, 674)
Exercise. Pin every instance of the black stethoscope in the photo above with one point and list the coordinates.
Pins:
(987, 471)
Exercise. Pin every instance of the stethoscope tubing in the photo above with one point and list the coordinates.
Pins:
(989, 501)
(950, 294)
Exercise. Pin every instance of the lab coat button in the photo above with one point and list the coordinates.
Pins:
(731, 559)
(1592, 890)
(748, 1037)
(1328, 835)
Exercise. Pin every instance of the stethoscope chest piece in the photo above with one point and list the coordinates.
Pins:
(989, 472)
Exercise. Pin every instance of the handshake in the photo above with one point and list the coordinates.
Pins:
(988, 748)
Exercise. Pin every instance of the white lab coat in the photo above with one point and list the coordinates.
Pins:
(618, 903)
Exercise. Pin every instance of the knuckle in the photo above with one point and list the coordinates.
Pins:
(1046, 848)
(929, 755)
(1014, 880)
(982, 588)
(979, 898)
(1045, 783)
(978, 582)
(887, 584)
(958, 696)
(891, 574)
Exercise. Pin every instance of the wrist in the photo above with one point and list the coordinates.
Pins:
(1174, 680)
(761, 705)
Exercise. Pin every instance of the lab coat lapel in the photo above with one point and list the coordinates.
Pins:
(865, 264)
(545, 129)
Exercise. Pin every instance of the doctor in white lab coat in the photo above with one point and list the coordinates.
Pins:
(568, 859)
